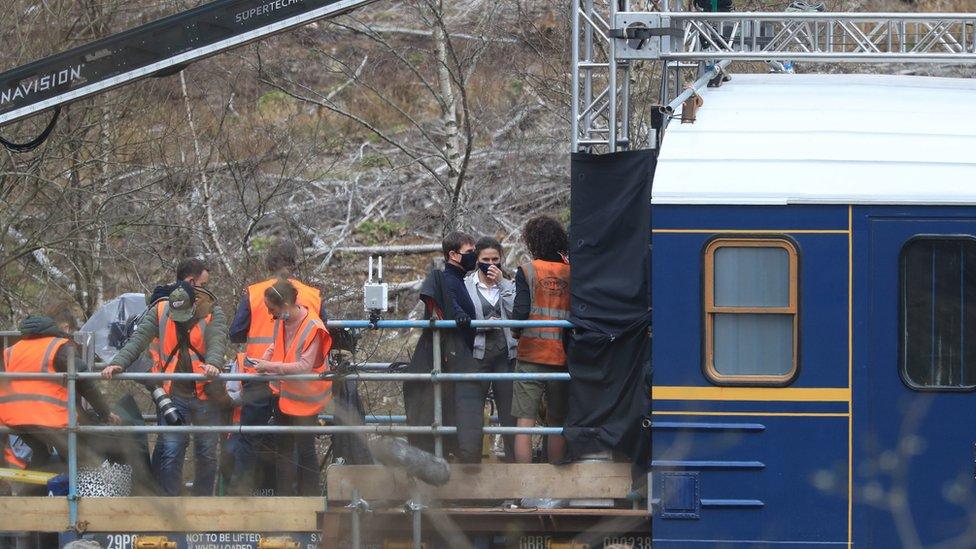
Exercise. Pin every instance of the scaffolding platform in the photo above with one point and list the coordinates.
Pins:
(485, 481)
(372, 505)
(377, 505)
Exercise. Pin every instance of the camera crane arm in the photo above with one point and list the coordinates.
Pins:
(159, 48)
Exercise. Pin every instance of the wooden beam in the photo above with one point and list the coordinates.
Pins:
(163, 514)
(201, 514)
(33, 514)
(594, 480)
(598, 480)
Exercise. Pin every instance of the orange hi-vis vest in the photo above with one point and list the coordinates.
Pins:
(304, 398)
(164, 348)
(549, 288)
(261, 332)
(40, 402)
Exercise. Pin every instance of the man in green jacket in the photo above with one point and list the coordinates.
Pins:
(184, 333)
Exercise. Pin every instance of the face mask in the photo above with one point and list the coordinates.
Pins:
(484, 267)
(469, 261)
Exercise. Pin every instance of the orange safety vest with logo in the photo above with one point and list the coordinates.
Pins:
(40, 402)
(261, 332)
(549, 289)
(164, 348)
(304, 398)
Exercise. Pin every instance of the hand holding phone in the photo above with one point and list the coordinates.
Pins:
(494, 273)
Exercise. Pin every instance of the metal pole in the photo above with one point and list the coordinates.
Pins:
(356, 544)
(397, 324)
(268, 429)
(612, 85)
(72, 442)
(438, 395)
(442, 376)
(314, 430)
(663, 93)
(625, 107)
(416, 507)
(589, 116)
(416, 528)
(574, 121)
(625, 97)
(698, 84)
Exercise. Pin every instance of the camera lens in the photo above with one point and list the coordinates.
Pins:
(166, 407)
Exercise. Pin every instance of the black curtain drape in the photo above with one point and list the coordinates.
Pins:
(609, 356)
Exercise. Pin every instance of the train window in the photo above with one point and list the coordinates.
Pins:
(938, 313)
(751, 311)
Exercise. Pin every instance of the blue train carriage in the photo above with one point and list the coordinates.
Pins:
(814, 290)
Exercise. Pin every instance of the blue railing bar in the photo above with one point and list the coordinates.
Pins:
(732, 503)
(371, 366)
(447, 324)
(698, 426)
(499, 430)
(373, 418)
(318, 430)
(401, 324)
(706, 464)
(391, 376)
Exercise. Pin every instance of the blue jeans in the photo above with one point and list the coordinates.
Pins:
(170, 450)
(257, 409)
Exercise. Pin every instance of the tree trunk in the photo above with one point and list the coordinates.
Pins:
(449, 117)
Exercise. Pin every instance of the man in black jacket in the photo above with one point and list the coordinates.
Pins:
(445, 297)
(459, 259)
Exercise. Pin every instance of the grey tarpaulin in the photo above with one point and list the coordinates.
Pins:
(113, 317)
(609, 351)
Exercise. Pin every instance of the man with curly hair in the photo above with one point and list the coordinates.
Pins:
(541, 293)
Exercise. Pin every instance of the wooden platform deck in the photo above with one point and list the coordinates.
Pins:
(469, 483)
(593, 480)
(161, 514)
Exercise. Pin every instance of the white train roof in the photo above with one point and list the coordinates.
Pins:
(824, 139)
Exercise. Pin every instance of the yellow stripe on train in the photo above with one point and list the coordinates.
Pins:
(768, 394)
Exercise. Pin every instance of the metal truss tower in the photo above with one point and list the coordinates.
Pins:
(611, 36)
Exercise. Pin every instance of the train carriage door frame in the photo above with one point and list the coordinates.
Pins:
(916, 349)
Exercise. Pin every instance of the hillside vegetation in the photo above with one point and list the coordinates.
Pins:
(381, 128)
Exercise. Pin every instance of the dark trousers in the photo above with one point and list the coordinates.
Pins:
(469, 399)
(297, 475)
(254, 453)
(497, 362)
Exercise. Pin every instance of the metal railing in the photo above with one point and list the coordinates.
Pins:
(437, 377)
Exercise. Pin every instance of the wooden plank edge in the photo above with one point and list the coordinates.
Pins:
(33, 514)
(201, 514)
